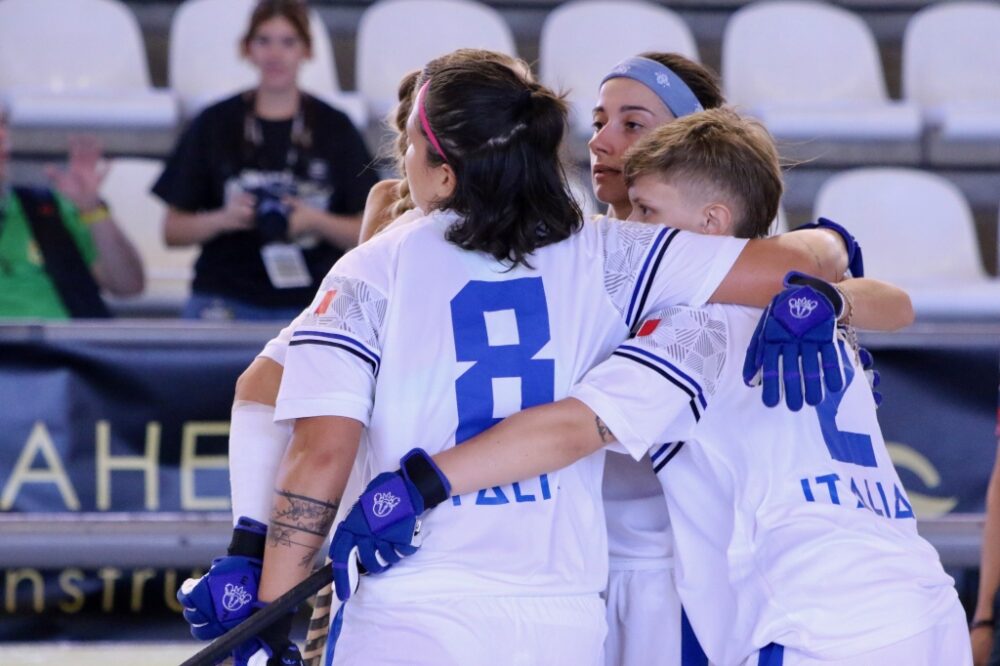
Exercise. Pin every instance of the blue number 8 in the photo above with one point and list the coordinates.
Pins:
(525, 299)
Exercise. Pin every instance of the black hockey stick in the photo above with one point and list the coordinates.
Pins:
(221, 647)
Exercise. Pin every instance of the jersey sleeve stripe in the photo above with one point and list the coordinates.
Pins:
(645, 274)
(661, 450)
(338, 345)
(649, 282)
(342, 338)
(698, 392)
(665, 454)
(693, 402)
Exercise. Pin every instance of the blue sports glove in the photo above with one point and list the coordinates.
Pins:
(271, 647)
(797, 330)
(855, 262)
(871, 374)
(224, 596)
(383, 522)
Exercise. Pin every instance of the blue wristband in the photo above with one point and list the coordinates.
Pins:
(855, 260)
(419, 468)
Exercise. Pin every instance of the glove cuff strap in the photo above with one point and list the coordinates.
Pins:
(855, 264)
(249, 538)
(420, 469)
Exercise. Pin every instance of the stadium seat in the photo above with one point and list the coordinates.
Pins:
(205, 63)
(951, 56)
(140, 215)
(917, 231)
(79, 65)
(398, 36)
(812, 72)
(575, 52)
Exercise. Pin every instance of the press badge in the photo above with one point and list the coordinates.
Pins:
(285, 265)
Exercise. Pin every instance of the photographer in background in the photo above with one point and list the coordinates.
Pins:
(270, 182)
(59, 245)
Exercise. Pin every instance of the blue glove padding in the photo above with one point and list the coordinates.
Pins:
(271, 647)
(855, 262)
(382, 524)
(797, 330)
(871, 374)
(224, 597)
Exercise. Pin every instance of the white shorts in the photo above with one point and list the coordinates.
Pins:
(473, 631)
(645, 624)
(944, 644)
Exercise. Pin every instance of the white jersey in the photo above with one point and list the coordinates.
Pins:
(277, 347)
(634, 509)
(789, 527)
(428, 344)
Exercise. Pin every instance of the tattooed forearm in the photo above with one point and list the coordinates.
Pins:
(307, 559)
(603, 431)
(281, 535)
(298, 521)
(304, 513)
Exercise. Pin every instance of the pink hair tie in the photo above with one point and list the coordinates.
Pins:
(426, 125)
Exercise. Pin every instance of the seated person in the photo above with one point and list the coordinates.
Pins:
(60, 247)
(270, 183)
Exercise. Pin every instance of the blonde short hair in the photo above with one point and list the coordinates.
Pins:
(729, 155)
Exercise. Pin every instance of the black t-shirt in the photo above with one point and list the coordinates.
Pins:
(331, 170)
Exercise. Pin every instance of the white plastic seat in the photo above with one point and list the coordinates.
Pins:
(78, 64)
(916, 229)
(398, 36)
(575, 52)
(812, 72)
(951, 56)
(140, 215)
(205, 62)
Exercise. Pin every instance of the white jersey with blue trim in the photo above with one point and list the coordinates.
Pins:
(428, 344)
(789, 527)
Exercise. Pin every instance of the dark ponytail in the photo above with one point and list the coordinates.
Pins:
(501, 135)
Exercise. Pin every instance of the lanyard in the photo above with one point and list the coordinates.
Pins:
(253, 135)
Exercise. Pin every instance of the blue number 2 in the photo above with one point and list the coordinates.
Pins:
(521, 302)
(857, 449)
(848, 447)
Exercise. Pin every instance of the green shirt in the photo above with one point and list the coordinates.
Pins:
(25, 287)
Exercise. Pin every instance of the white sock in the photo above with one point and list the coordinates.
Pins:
(256, 446)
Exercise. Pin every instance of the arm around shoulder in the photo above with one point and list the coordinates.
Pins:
(757, 275)
(532, 442)
(876, 305)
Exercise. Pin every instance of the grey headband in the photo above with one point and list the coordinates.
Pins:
(669, 87)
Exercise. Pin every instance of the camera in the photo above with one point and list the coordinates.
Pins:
(271, 213)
